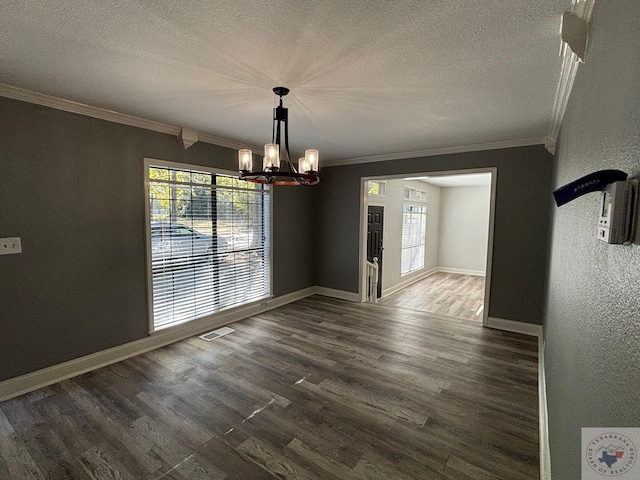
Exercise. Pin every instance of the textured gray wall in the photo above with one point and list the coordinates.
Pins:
(72, 188)
(592, 321)
(293, 233)
(521, 223)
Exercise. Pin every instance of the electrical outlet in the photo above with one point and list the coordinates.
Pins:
(9, 246)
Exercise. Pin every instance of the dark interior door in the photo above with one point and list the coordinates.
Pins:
(374, 240)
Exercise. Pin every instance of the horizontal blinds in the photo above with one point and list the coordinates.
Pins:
(209, 244)
(414, 223)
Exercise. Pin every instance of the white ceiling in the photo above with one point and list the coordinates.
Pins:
(367, 77)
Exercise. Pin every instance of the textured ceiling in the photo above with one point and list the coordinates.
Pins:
(367, 77)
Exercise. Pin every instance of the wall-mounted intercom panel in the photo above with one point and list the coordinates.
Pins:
(615, 223)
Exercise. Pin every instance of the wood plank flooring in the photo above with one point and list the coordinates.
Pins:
(317, 389)
(450, 294)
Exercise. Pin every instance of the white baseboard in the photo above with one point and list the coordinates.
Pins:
(513, 326)
(41, 378)
(341, 294)
(543, 422)
(406, 283)
(289, 298)
(462, 271)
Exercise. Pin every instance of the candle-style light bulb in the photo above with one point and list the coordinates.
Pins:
(303, 165)
(271, 157)
(311, 157)
(245, 160)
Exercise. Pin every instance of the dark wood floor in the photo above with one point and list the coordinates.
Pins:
(451, 294)
(318, 389)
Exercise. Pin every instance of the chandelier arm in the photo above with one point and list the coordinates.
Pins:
(280, 178)
(277, 140)
(292, 168)
(286, 145)
(273, 127)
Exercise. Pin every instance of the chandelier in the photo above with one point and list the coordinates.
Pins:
(271, 173)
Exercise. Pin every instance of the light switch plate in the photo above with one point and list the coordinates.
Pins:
(10, 245)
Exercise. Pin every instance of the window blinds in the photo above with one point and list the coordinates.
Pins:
(209, 241)
(414, 227)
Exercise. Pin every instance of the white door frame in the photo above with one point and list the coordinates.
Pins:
(364, 204)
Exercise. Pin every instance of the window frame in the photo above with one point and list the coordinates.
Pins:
(382, 188)
(424, 237)
(410, 194)
(154, 162)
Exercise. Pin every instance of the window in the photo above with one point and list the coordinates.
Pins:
(414, 195)
(208, 242)
(375, 188)
(414, 227)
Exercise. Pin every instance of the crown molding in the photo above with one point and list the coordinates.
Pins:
(223, 142)
(29, 96)
(568, 71)
(438, 151)
(550, 145)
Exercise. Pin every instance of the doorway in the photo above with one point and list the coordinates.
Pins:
(375, 218)
(455, 267)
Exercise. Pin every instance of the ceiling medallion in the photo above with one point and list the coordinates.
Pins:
(307, 172)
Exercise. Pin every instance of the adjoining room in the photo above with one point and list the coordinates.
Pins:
(431, 239)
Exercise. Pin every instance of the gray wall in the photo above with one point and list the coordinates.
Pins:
(72, 188)
(521, 223)
(294, 257)
(592, 320)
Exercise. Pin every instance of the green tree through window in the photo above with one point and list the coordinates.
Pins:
(209, 243)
